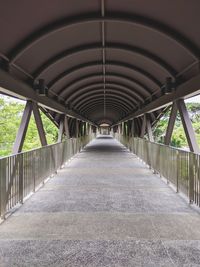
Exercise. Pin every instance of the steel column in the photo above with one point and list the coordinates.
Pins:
(77, 129)
(19, 141)
(187, 125)
(171, 123)
(143, 128)
(132, 128)
(149, 129)
(39, 124)
(66, 127)
(61, 130)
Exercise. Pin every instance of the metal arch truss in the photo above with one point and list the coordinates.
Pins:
(19, 141)
(110, 100)
(140, 21)
(111, 86)
(63, 128)
(142, 91)
(169, 70)
(178, 39)
(177, 106)
(98, 103)
(109, 63)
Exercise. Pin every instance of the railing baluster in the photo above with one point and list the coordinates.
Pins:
(181, 168)
(22, 173)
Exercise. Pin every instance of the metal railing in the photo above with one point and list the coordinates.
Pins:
(22, 173)
(179, 167)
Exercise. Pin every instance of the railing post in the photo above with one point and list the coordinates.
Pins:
(177, 170)
(3, 203)
(21, 178)
(33, 168)
(191, 178)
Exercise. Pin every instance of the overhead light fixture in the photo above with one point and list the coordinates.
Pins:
(41, 88)
(169, 86)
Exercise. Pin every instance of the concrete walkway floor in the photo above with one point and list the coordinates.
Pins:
(105, 208)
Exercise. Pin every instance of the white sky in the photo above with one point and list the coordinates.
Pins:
(193, 99)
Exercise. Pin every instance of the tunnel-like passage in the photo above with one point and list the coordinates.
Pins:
(101, 67)
(104, 208)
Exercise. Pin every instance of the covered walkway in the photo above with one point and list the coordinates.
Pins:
(104, 208)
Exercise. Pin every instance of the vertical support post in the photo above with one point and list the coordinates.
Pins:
(122, 128)
(19, 141)
(177, 170)
(86, 128)
(170, 125)
(61, 130)
(149, 129)
(187, 125)
(3, 187)
(143, 128)
(77, 128)
(119, 129)
(126, 130)
(81, 128)
(21, 178)
(66, 127)
(191, 178)
(39, 124)
(132, 128)
(84, 133)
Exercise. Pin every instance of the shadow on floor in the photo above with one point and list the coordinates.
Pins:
(105, 145)
(104, 137)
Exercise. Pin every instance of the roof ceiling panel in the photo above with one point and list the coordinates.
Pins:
(19, 19)
(129, 47)
(137, 60)
(149, 40)
(180, 15)
(61, 43)
(74, 76)
(70, 62)
(133, 74)
(81, 83)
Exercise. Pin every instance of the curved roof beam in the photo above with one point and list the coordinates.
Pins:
(121, 77)
(106, 120)
(111, 99)
(109, 104)
(113, 92)
(82, 99)
(112, 115)
(98, 109)
(117, 46)
(120, 85)
(107, 63)
(134, 19)
(98, 106)
(97, 87)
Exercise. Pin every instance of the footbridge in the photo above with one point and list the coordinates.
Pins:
(105, 194)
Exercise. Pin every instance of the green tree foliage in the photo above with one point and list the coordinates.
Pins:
(10, 118)
(178, 136)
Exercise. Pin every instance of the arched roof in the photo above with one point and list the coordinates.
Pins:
(105, 58)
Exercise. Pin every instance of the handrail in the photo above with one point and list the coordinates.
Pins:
(179, 167)
(22, 173)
